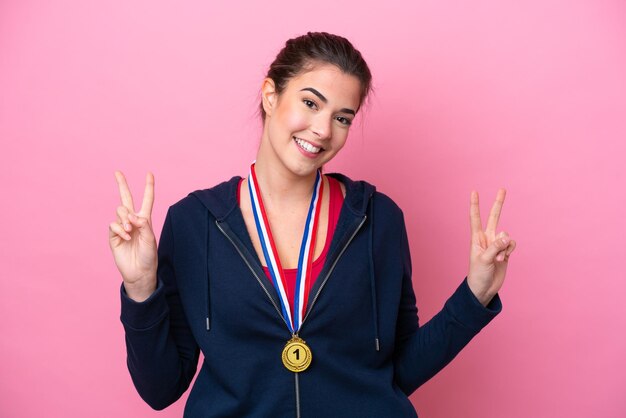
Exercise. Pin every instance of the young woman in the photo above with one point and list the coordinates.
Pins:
(295, 285)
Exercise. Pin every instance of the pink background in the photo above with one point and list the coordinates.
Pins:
(530, 95)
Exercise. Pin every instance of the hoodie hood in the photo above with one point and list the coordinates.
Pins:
(221, 200)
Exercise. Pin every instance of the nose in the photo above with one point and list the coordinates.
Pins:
(322, 126)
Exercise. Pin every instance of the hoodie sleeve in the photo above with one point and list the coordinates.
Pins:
(162, 354)
(422, 351)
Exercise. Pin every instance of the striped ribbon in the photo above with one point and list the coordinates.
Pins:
(307, 248)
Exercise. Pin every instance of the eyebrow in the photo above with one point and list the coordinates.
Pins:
(325, 100)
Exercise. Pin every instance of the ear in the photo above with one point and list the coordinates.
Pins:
(268, 95)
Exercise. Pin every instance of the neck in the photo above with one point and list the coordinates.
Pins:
(279, 185)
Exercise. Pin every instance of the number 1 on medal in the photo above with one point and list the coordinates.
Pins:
(296, 355)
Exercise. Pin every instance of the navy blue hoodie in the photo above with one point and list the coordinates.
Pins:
(369, 352)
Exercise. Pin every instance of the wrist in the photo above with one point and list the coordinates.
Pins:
(483, 296)
(485, 299)
(139, 292)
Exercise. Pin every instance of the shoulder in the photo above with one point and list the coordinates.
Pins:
(386, 204)
(364, 198)
(386, 214)
(219, 200)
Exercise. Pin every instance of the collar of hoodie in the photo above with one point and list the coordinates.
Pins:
(221, 203)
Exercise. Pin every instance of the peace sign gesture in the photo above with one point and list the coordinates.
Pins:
(489, 252)
(132, 241)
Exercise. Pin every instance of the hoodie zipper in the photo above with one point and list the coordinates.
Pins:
(297, 383)
(258, 279)
(332, 267)
(330, 270)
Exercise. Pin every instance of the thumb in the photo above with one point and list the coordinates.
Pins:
(492, 251)
(139, 222)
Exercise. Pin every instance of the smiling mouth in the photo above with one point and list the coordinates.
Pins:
(307, 146)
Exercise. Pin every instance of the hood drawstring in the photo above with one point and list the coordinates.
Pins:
(208, 282)
(372, 275)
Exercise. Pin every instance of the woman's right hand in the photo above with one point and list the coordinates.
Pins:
(133, 243)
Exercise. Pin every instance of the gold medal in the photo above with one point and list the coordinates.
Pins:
(297, 355)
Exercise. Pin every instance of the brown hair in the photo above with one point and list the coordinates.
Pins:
(302, 53)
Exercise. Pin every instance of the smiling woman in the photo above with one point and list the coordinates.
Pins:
(295, 285)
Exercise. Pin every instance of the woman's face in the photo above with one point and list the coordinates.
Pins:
(308, 123)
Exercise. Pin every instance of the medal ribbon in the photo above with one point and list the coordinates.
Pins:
(307, 248)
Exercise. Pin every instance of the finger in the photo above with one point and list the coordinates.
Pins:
(489, 256)
(138, 221)
(123, 213)
(494, 215)
(502, 234)
(116, 229)
(143, 226)
(148, 197)
(510, 248)
(125, 196)
(502, 254)
(475, 224)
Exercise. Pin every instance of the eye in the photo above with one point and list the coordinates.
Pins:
(309, 103)
(344, 121)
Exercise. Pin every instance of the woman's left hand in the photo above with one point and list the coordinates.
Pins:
(489, 252)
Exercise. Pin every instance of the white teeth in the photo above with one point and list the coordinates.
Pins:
(306, 146)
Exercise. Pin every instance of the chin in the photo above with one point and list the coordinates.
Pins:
(304, 169)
